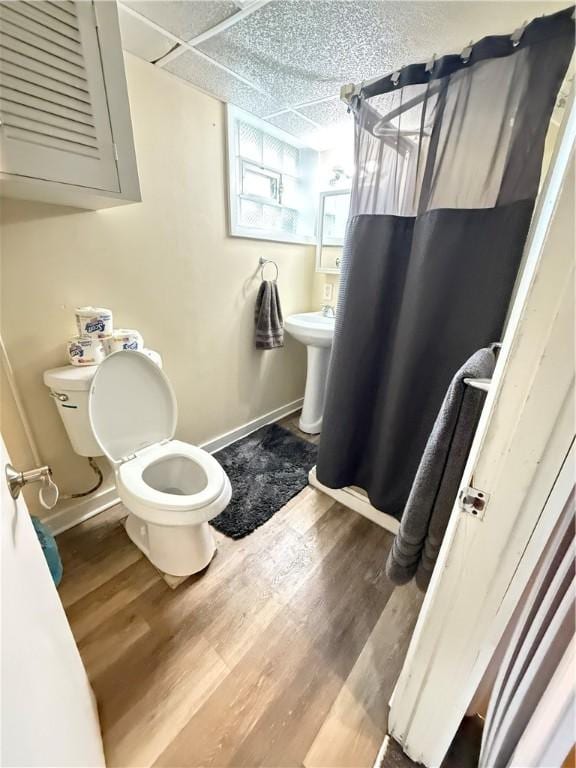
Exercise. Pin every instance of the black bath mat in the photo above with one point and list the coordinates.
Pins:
(266, 469)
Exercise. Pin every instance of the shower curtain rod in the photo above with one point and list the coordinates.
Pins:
(494, 46)
(348, 92)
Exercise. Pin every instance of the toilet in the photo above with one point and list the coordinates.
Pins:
(171, 489)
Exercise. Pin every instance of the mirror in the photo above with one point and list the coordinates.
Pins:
(332, 218)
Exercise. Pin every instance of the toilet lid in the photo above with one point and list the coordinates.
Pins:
(131, 405)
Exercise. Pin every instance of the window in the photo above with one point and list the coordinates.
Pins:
(272, 181)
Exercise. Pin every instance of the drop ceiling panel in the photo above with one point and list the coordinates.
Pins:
(208, 77)
(141, 39)
(297, 50)
(327, 112)
(303, 50)
(293, 124)
(184, 18)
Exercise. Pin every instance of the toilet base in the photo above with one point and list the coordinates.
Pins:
(174, 550)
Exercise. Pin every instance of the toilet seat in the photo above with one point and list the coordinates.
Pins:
(133, 414)
(155, 506)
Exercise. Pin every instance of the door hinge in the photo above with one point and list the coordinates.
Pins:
(473, 502)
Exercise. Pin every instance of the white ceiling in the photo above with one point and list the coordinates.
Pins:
(285, 60)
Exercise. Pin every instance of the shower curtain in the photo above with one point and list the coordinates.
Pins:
(448, 159)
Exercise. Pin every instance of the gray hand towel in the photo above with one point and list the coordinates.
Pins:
(268, 317)
(425, 517)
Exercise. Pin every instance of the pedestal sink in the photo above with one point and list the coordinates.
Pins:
(316, 330)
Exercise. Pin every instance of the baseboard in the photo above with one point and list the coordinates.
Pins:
(356, 501)
(84, 509)
(246, 429)
(81, 510)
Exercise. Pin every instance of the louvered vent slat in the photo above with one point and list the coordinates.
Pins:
(33, 39)
(54, 10)
(42, 140)
(45, 93)
(60, 114)
(35, 53)
(36, 12)
(8, 107)
(52, 93)
(67, 6)
(43, 74)
(36, 30)
(18, 117)
(27, 82)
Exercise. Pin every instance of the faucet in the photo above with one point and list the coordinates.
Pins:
(328, 311)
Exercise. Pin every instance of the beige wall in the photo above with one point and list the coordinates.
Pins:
(165, 266)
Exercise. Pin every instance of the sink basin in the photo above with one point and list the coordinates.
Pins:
(311, 328)
(315, 331)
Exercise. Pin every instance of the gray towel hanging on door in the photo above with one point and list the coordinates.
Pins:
(268, 317)
(425, 517)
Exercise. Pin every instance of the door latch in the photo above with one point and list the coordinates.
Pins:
(473, 502)
(16, 480)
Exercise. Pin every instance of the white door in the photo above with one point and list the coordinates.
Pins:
(49, 714)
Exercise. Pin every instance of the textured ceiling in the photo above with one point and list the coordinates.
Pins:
(184, 18)
(286, 53)
(190, 66)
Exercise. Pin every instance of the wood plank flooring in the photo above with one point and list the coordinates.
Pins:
(283, 653)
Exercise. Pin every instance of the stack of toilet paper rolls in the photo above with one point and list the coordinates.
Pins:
(97, 337)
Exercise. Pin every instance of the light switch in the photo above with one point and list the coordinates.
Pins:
(328, 292)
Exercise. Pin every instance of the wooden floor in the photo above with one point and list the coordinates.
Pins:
(284, 652)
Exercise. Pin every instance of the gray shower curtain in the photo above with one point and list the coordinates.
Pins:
(448, 161)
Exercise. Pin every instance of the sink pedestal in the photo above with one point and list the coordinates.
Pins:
(316, 330)
(315, 391)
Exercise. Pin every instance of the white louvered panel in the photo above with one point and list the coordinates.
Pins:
(11, 61)
(38, 14)
(13, 101)
(23, 28)
(36, 93)
(28, 119)
(53, 108)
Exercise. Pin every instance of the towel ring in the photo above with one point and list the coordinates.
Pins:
(263, 263)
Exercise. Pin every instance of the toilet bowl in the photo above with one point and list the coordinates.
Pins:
(170, 488)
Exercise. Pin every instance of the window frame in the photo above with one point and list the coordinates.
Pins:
(276, 176)
(235, 162)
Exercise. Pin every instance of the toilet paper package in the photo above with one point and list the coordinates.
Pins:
(94, 322)
(85, 351)
(123, 338)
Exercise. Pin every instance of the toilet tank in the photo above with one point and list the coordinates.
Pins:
(69, 387)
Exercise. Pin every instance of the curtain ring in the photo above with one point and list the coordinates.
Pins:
(467, 52)
(395, 76)
(431, 63)
(516, 36)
